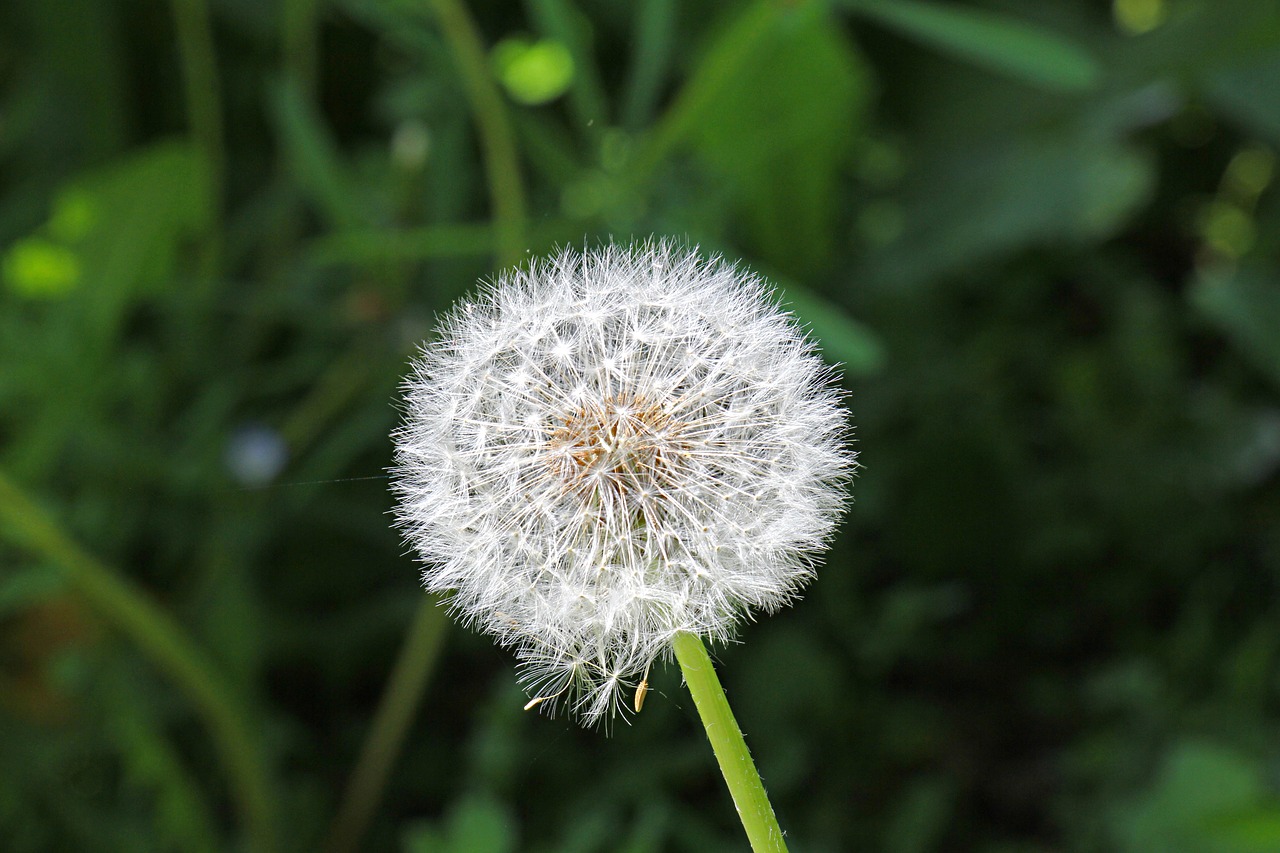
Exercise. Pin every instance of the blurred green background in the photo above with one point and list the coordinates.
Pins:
(1041, 238)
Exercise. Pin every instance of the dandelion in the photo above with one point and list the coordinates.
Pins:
(609, 449)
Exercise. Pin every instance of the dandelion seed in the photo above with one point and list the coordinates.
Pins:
(612, 447)
(642, 690)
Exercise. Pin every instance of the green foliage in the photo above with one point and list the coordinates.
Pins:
(800, 88)
(1043, 240)
(1205, 799)
(1245, 305)
(476, 824)
(998, 42)
(533, 72)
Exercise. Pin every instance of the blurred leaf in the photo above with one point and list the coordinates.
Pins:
(423, 837)
(964, 204)
(1198, 42)
(549, 146)
(134, 215)
(855, 346)
(82, 46)
(482, 825)
(655, 22)
(1252, 831)
(802, 94)
(73, 217)
(1205, 799)
(650, 828)
(360, 246)
(533, 72)
(41, 269)
(182, 819)
(477, 824)
(1250, 95)
(720, 67)
(20, 588)
(1003, 44)
(1244, 304)
(129, 221)
(918, 823)
(231, 618)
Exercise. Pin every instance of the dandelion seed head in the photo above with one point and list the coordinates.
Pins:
(609, 447)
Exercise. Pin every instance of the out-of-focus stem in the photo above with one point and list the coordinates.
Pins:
(395, 712)
(502, 164)
(161, 639)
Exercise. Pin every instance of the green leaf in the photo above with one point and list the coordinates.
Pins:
(533, 72)
(119, 229)
(134, 215)
(722, 64)
(655, 23)
(482, 825)
(856, 347)
(21, 588)
(477, 824)
(1002, 44)
(1250, 95)
(963, 204)
(181, 816)
(1244, 304)
(40, 269)
(423, 837)
(371, 246)
(1254, 830)
(1205, 799)
(780, 127)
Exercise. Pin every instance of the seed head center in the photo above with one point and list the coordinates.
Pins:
(623, 448)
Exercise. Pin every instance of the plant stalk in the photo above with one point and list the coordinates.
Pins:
(169, 647)
(740, 774)
(396, 710)
(497, 140)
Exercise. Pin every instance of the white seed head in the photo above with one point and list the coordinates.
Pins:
(611, 447)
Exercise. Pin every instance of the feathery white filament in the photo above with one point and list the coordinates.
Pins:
(614, 446)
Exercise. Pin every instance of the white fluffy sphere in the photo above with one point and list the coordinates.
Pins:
(611, 447)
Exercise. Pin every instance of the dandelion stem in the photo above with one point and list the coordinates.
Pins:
(740, 774)
(161, 639)
(395, 712)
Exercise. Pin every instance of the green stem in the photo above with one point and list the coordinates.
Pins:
(204, 109)
(399, 704)
(739, 770)
(162, 640)
(506, 188)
